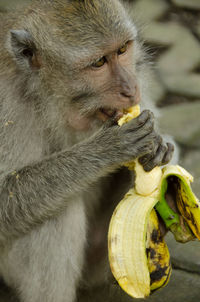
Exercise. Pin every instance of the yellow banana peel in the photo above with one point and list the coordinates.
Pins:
(158, 257)
(138, 255)
(136, 249)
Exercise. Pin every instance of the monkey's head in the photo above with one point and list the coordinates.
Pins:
(79, 57)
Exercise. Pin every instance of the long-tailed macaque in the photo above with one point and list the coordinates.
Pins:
(68, 69)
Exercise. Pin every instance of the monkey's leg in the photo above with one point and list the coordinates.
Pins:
(46, 265)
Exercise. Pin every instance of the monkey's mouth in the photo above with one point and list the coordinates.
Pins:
(107, 113)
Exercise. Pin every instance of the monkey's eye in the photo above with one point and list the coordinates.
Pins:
(27, 53)
(123, 49)
(99, 63)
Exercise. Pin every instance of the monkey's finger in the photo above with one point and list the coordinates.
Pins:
(144, 160)
(144, 119)
(157, 160)
(168, 154)
(137, 134)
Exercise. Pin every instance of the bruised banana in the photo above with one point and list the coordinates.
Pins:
(138, 256)
(185, 225)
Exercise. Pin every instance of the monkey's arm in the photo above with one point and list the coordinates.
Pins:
(40, 191)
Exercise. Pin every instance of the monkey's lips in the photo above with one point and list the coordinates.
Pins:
(107, 113)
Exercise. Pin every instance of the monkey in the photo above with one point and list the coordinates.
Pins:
(68, 70)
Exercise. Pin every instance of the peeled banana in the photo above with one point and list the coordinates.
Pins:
(137, 251)
(138, 256)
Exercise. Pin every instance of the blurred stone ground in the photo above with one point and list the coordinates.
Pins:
(171, 30)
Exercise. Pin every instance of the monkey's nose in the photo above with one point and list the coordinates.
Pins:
(128, 91)
(133, 95)
(126, 94)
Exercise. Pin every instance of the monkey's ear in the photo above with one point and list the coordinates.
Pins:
(23, 48)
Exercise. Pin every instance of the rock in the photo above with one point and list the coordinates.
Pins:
(185, 84)
(156, 89)
(183, 286)
(198, 28)
(6, 294)
(162, 33)
(184, 256)
(193, 4)
(184, 52)
(147, 10)
(191, 162)
(182, 122)
(183, 56)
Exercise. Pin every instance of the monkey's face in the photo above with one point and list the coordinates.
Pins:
(84, 62)
(108, 86)
(103, 80)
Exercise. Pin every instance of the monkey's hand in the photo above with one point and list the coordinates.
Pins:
(135, 139)
(160, 156)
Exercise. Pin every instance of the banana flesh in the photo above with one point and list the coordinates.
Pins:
(147, 182)
(138, 256)
(127, 244)
(129, 114)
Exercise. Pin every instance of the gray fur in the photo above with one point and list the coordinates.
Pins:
(52, 177)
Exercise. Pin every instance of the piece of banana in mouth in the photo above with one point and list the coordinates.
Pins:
(138, 255)
(129, 114)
